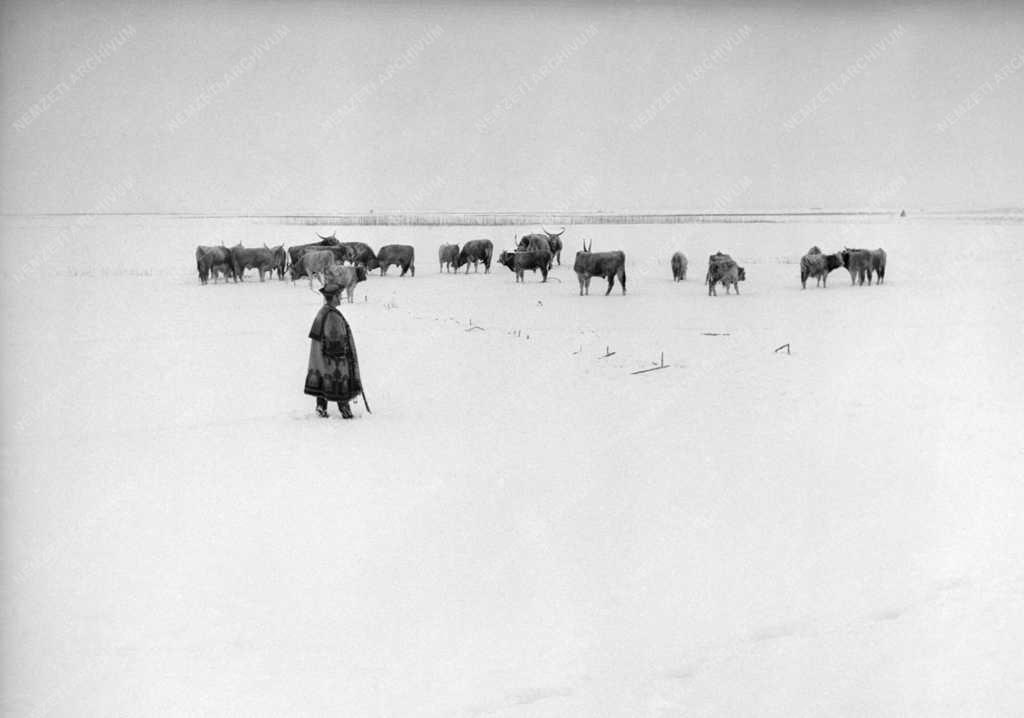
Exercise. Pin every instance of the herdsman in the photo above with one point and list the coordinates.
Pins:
(333, 373)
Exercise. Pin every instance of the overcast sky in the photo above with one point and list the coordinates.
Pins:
(291, 107)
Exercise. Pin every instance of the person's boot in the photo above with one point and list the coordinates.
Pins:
(346, 411)
(321, 408)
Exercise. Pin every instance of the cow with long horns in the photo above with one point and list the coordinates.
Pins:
(535, 243)
(599, 264)
(555, 240)
(295, 253)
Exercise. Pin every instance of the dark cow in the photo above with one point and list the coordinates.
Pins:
(359, 253)
(818, 265)
(314, 264)
(347, 277)
(261, 259)
(280, 260)
(520, 261)
(599, 264)
(476, 250)
(679, 267)
(555, 240)
(722, 268)
(535, 243)
(213, 260)
(858, 264)
(295, 253)
(447, 256)
(402, 255)
(878, 266)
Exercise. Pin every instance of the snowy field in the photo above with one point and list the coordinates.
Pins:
(522, 527)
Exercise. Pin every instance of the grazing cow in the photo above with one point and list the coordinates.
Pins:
(295, 253)
(359, 253)
(535, 243)
(447, 256)
(261, 259)
(520, 261)
(678, 267)
(280, 260)
(313, 264)
(599, 264)
(213, 260)
(476, 250)
(878, 266)
(402, 255)
(555, 240)
(722, 268)
(347, 276)
(858, 264)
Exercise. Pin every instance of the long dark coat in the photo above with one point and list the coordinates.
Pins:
(333, 371)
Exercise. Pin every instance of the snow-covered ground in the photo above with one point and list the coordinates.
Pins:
(522, 527)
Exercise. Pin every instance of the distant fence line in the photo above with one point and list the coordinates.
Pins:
(551, 220)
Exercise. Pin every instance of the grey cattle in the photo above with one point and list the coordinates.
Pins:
(346, 275)
(723, 269)
(261, 259)
(476, 250)
(858, 264)
(533, 260)
(447, 256)
(599, 264)
(313, 264)
(878, 257)
(213, 260)
(402, 255)
(679, 265)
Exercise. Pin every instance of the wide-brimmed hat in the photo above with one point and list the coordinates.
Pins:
(331, 289)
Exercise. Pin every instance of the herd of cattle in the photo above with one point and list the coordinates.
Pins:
(347, 263)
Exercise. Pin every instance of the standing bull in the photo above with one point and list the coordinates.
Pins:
(599, 264)
(858, 264)
(818, 265)
(295, 253)
(314, 264)
(447, 256)
(346, 276)
(280, 260)
(260, 259)
(213, 260)
(359, 253)
(878, 266)
(520, 261)
(555, 240)
(401, 254)
(535, 243)
(722, 268)
(679, 267)
(476, 250)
